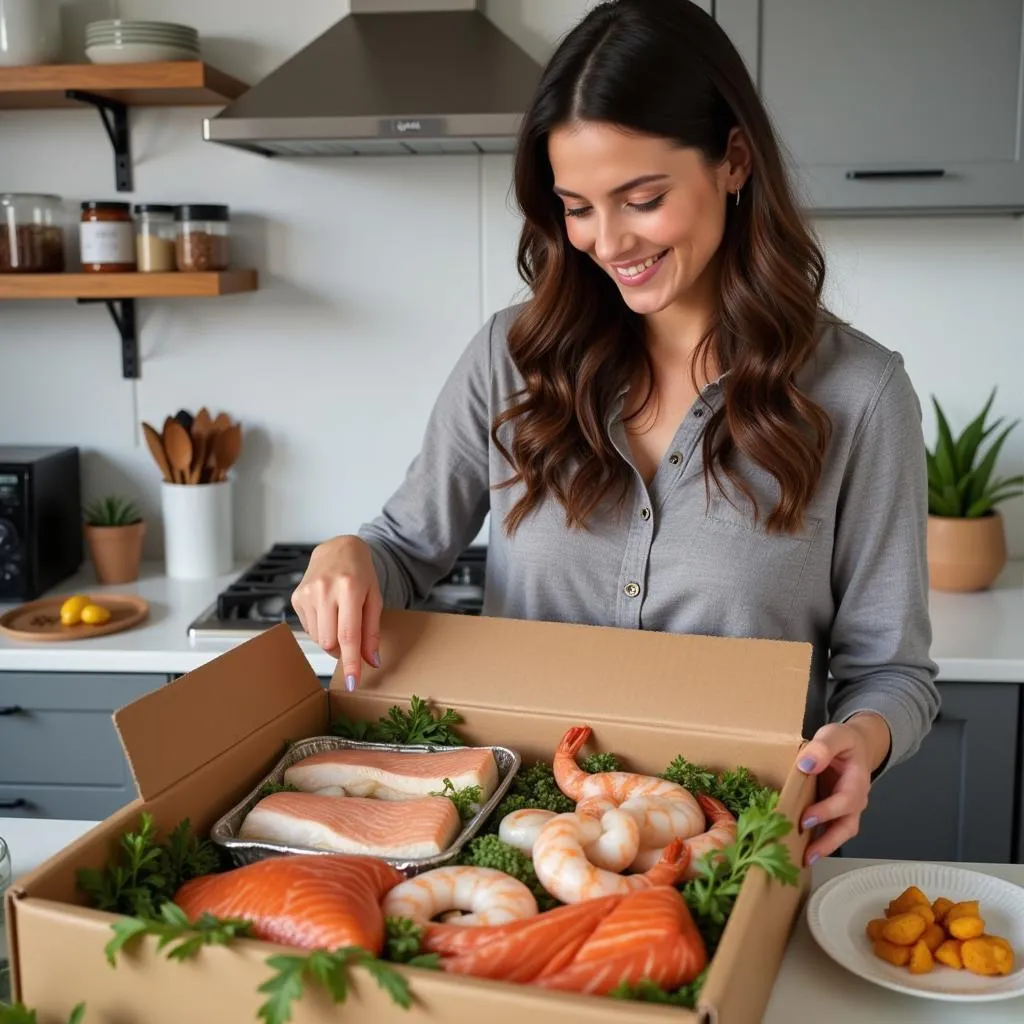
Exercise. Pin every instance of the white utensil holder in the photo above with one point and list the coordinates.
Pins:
(198, 533)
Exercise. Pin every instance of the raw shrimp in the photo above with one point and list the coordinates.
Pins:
(521, 828)
(721, 833)
(489, 896)
(562, 867)
(663, 809)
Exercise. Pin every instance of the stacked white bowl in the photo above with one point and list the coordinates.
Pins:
(117, 41)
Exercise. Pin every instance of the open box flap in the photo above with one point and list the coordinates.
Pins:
(169, 733)
(587, 674)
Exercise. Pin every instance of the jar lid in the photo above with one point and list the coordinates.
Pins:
(103, 205)
(201, 212)
(153, 208)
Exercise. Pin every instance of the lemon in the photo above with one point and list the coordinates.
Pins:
(95, 614)
(71, 609)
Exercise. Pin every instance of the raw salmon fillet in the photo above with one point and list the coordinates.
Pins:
(349, 824)
(309, 901)
(388, 775)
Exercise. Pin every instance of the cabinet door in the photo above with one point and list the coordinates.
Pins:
(59, 750)
(890, 104)
(954, 800)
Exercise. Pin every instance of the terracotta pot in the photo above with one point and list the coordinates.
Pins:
(116, 551)
(965, 554)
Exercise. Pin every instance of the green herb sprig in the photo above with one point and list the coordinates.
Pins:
(268, 788)
(18, 1013)
(173, 926)
(419, 725)
(466, 800)
(148, 873)
(403, 943)
(736, 788)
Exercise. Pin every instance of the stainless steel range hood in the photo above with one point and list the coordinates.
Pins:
(393, 77)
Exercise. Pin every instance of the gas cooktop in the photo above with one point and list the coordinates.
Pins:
(261, 596)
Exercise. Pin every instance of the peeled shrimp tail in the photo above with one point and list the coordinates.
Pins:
(671, 866)
(568, 774)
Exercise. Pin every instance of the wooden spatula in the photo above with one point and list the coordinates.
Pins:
(156, 448)
(227, 446)
(179, 450)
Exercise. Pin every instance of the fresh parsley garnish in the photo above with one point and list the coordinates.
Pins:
(329, 968)
(147, 872)
(278, 787)
(466, 800)
(17, 1013)
(736, 788)
(418, 725)
(173, 926)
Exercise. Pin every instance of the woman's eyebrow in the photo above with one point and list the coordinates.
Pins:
(644, 179)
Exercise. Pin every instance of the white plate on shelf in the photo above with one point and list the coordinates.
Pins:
(838, 913)
(138, 53)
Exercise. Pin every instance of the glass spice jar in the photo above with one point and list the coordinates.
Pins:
(202, 242)
(31, 233)
(155, 235)
(107, 237)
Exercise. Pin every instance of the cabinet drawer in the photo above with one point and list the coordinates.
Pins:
(57, 728)
(80, 803)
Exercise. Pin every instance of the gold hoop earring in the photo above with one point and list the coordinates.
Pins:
(738, 196)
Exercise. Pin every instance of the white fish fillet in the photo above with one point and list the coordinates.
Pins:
(392, 775)
(420, 827)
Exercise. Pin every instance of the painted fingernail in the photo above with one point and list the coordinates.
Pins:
(806, 764)
(376, 659)
(810, 822)
(350, 683)
(813, 857)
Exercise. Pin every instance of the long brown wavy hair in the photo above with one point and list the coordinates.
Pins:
(663, 68)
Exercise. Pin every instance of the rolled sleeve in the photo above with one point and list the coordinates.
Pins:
(881, 632)
(443, 500)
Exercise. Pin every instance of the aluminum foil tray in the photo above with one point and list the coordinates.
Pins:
(245, 851)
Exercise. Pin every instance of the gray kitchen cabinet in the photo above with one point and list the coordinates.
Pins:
(60, 755)
(891, 106)
(955, 799)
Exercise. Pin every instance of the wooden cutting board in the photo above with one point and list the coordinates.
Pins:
(40, 620)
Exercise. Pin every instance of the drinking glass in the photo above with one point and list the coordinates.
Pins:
(5, 881)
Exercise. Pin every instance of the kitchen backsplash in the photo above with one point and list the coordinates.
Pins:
(374, 275)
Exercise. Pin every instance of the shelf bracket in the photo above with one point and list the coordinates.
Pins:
(115, 120)
(122, 312)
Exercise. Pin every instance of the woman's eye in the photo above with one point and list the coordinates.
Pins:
(651, 204)
(577, 211)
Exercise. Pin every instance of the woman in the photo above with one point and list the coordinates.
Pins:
(672, 433)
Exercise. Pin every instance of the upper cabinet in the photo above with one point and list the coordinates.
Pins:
(891, 106)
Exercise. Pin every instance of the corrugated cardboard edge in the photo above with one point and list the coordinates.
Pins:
(757, 933)
(165, 740)
(535, 666)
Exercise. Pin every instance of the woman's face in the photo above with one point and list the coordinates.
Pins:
(649, 213)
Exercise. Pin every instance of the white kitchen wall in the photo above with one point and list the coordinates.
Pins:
(374, 275)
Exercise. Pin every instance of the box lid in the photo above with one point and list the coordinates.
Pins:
(171, 732)
(587, 674)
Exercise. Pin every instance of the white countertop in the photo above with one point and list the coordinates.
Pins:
(976, 637)
(810, 986)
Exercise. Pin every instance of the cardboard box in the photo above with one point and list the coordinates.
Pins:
(201, 743)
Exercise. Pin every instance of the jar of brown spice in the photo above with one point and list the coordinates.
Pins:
(107, 237)
(203, 233)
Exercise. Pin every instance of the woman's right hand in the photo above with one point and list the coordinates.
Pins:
(339, 603)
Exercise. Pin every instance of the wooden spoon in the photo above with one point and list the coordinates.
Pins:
(156, 448)
(227, 446)
(222, 422)
(202, 440)
(203, 423)
(179, 450)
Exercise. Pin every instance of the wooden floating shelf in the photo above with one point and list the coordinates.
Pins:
(126, 286)
(158, 84)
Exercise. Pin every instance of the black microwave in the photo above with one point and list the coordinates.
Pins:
(40, 519)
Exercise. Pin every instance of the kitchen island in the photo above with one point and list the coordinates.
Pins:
(810, 986)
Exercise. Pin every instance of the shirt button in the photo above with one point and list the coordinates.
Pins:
(631, 589)
(675, 458)
(698, 412)
(645, 513)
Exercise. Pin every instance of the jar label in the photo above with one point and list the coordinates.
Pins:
(107, 242)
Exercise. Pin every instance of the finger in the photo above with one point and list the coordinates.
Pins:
(828, 742)
(371, 627)
(327, 626)
(300, 608)
(841, 831)
(849, 795)
(350, 632)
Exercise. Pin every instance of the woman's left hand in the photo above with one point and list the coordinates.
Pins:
(842, 756)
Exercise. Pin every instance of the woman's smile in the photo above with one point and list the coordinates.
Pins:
(639, 272)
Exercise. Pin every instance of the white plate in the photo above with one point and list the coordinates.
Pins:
(138, 53)
(838, 912)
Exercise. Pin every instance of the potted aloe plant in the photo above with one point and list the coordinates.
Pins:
(966, 535)
(114, 529)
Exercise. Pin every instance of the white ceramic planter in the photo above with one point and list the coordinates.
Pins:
(198, 533)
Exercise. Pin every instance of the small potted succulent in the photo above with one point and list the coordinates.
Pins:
(114, 529)
(966, 535)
